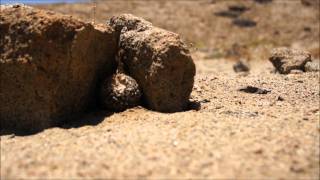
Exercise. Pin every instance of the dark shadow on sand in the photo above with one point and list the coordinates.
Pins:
(88, 119)
(92, 118)
(193, 105)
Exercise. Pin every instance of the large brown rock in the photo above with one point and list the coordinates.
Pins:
(158, 60)
(50, 65)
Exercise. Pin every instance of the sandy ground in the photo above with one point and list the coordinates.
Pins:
(233, 134)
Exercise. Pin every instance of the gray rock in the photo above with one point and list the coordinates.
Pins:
(285, 60)
(158, 60)
(50, 65)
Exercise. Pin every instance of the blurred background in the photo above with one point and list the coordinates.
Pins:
(40, 1)
(214, 29)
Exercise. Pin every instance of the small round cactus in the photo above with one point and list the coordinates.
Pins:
(119, 92)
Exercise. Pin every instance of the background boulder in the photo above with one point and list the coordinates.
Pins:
(50, 65)
(285, 59)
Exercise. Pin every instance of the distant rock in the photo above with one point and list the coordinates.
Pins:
(120, 92)
(254, 90)
(233, 11)
(50, 65)
(228, 14)
(241, 66)
(286, 59)
(158, 60)
(238, 8)
(245, 23)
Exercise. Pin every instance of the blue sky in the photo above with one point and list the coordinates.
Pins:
(39, 1)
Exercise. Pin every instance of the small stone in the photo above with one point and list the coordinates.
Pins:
(305, 118)
(258, 151)
(285, 60)
(263, 1)
(238, 8)
(254, 90)
(241, 66)
(205, 101)
(312, 66)
(175, 143)
(280, 98)
(120, 92)
(233, 12)
(307, 29)
(244, 23)
(228, 14)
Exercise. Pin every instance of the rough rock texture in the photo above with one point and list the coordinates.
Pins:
(119, 92)
(285, 59)
(49, 66)
(158, 60)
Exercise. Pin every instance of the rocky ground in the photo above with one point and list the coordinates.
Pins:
(227, 133)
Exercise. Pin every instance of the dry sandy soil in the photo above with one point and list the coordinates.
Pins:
(208, 24)
(227, 134)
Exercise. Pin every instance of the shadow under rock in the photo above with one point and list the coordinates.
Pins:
(12, 133)
(88, 119)
(92, 118)
(193, 105)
